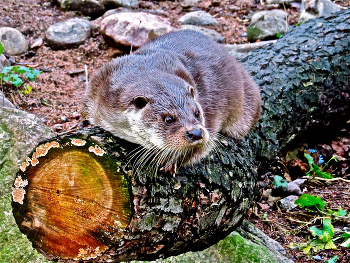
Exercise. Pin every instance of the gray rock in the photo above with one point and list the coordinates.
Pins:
(277, 13)
(91, 8)
(125, 28)
(68, 34)
(5, 102)
(121, 3)
(294, 188)
(20, 132)
(189, 3)
(315, 8)
(198, 18)
(317, 258)
(267, 24)
(288, 202)
(3, 62)
(205, 31)
(37, 43)
(13, 41)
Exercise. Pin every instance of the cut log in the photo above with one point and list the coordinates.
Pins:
(305, 81)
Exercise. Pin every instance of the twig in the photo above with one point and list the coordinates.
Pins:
(327, 180)
(86, 76)
(71, 129)
(13, 99)
(29, 5)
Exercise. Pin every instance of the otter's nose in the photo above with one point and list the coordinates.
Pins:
(194, 135)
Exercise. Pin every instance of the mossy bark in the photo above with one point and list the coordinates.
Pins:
(305, 81)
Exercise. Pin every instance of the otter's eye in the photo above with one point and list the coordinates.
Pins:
(169, 120)
(197, 114)
(140, 102)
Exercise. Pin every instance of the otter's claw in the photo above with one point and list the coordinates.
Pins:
(171, 169)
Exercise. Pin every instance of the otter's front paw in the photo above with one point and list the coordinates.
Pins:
(170, 168)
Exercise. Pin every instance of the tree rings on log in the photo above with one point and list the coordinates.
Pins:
(71, 200)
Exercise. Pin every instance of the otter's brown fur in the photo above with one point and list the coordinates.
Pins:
(174, 95)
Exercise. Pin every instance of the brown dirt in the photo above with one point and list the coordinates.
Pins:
(57, 93)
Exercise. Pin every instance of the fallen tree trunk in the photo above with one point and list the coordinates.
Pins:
(92, 199)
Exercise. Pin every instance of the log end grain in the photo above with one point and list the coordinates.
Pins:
(64, 211)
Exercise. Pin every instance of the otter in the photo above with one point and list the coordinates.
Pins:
(173, 96)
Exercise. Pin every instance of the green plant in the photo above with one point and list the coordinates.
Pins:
(13, 74)
(279, 181)
(310, 202)
(332, 260)
(315, 170)
(264, 216)
(322, 238)
(26, 91)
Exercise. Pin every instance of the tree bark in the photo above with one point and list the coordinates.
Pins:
(304, 79)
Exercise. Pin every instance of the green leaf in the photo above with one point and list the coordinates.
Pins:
(346, 243)
(28, 90)
(33, 74)
(332, 260)
(345, 235)
(315, 231)
(15, 69)
(310, 201)
(310, 160)
(341, 212)
(36, 72)
(23, 69)
(325, 235)
(328, 230)
(16, 80)
(279, 181)
(306, 250)
(330, 245)
(6, 69)
(1, 48)
(317, 245)
(316, 168)
(30, 76)
(325, 175)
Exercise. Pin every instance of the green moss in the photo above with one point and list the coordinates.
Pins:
(253, 32)
(14, 246)
(233, 249)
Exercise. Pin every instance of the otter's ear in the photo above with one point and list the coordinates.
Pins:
(192, 91)
(140, 102)
(181, 72)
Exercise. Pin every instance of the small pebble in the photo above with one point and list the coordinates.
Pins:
(64, 119)
(76, 115)
(317, 258)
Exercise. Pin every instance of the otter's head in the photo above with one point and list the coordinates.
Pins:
(163, 114)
